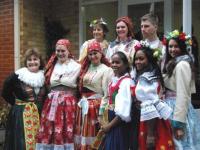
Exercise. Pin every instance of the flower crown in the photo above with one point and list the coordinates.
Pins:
(144, 44)
(97, 21)
(180, 36)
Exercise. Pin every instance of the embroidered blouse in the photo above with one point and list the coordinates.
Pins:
(96, 79)
(147, 91)
(126, 46)
(123, 98)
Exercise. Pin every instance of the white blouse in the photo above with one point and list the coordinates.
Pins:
(123, 99)
(65, 74)
(147, 91)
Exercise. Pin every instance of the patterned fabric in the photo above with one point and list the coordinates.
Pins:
(31, 123)
(87, 125)
(57, 132)
(23, 120)
(84, 48)
(94, 46)
(154, 132)
(162, 135)
(126, 47)
(191, 140)
(151, 104)
(118, 138)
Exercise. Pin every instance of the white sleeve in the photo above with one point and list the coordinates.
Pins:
(105, 81)
(83, 51)
(123, 100)
(183, 76)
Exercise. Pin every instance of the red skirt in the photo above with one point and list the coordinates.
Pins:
(87, 126)
(162, 135)
(58, 130)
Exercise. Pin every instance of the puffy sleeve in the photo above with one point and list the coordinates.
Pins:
(83, 51)
(183, 76)
(105, 81)
(123, 100)
(8, 89)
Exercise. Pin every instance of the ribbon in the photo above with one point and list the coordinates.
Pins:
(30, 121)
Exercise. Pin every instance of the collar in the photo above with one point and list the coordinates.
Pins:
(31, 78)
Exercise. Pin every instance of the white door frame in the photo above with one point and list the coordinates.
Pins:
(16, 34)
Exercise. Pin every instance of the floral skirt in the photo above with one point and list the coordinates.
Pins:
(161, 136)
(87, 125)
(191, 140)
(57, 122)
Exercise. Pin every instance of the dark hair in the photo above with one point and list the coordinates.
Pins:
(152, 63)
(35, 52)
(124, 59)
(184, 51)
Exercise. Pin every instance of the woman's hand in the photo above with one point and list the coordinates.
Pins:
(106, 128)
(179, 134)
(100, 120)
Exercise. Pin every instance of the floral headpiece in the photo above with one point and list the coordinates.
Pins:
(179, 35)
(144, 44)
(97, 21)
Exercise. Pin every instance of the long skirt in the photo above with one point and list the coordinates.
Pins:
(87, 125)
(161, 137)
(191, 140)
(118, 138)
(22, 126)
(57, 122)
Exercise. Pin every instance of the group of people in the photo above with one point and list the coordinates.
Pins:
(122, 95)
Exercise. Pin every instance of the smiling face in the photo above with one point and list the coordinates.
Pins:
(33, 63)
(141, 60)
(98, 33)
(118, 65)
(94, 57)
(173, 48)
(62, 53)
(122, 30)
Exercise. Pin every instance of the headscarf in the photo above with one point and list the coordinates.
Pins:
(53, 59)
(67, 44)
(93, 46)
(129, 24)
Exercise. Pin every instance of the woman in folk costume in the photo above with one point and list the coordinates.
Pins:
(117, 128)
(99, 31)
(124, 41)
(94, 78)
(58, 114)
(179, 82)
(25, 91)
(155, 130)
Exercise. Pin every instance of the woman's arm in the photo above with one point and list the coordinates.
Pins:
(8, 88)
(106, 128)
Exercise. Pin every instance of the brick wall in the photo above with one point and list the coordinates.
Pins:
(6, 39)
(68, 12)
(32, 24)
(32, 13)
